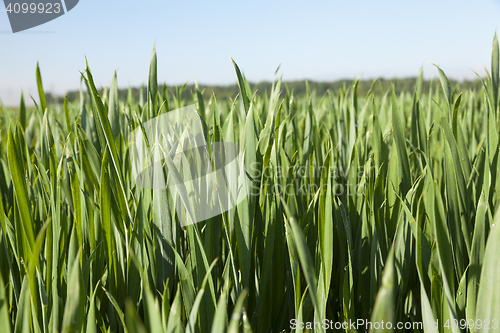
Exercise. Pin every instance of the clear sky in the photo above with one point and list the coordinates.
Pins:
(316, 40)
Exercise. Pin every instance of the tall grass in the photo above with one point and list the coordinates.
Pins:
(376, 207)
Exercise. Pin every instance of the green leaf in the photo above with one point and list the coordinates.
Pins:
(241, 83)
(4, 312)
(234, 323)
(19, 180)
(220, 318)
(133, 320)
(74, 310)
(246, 208)
(191, 326)
(383, 309)
(306, 261)
(477, 256)
(428, 320)
(103, 124)
(22, 113)
(175, 319)
(114, 108)
(105, 210)
(488, 304)
(23, 317)
(495, 71)
(39, 84)
(186, 283)
(91, 314)
(399, 139)
(325, 226)
(445, 83)
(453, 208)
(152, 312)
(117, 309)
(152, 84)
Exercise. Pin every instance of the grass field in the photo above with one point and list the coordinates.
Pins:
(379, 207)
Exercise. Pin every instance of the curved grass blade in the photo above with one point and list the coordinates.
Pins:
(220, 317)
(234, 323)
(118, 309)
(241, 83)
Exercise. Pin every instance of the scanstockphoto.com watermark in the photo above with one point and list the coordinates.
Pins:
(296, 188)
(171, 152)
(26, 14)
(365, 325)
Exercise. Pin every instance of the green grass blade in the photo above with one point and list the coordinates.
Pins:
(41, 93)
(428, 319)
(22, 113)
(109, 143)
(152, 312)
(152, 84)
(399, 139)
(488, 305)
(23, 318)
(117, 309)
(477, 256)
(246, 208)
(383, 309)
(114, 108)
(245, 95)
(220, 317)
(4, 312)
(19, 181)
(495, 72)
(105, 211)
(132, 319)
(74, 310)
(234, 323)
(445, 83)
(305, 258)
(91, 314)
(175, 319)
(191, 326)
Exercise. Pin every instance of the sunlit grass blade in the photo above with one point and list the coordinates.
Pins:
(383, 309)
(19, 181)
(4, 313)
(114, 108)
(488, 305)
(495, 72)
(41, 93)
(74, 311)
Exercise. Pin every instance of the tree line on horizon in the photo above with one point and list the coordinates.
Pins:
(319, 88)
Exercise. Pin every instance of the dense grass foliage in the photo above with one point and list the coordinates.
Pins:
(377, 207)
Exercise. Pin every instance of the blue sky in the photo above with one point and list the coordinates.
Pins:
(317, 40)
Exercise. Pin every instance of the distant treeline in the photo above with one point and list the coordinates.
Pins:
(299, 88)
